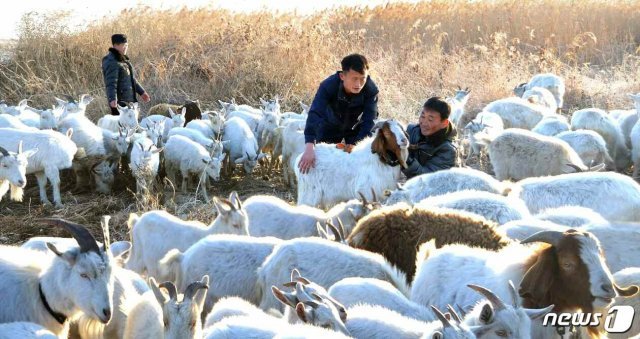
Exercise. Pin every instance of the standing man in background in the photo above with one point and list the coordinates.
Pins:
(119, 80)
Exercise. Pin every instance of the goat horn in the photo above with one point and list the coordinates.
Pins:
(626, 291)
(193, 288)
(336, 233)
(445, 322)
(398, 186)
(301, 294)
(454, 314)
(303, 280)
(85, 240)
(171, 288)
(341, 229)
(229, 203)
(105, 231)
(364, 200)
(497, 303)
(4, 151)
(578, 169)
(373, 192)
(514, 294)
(550, 237)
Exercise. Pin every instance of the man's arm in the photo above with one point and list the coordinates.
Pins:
(315, 120)
(110, 73)
(369, 114)
(444, 158)
(137, 87)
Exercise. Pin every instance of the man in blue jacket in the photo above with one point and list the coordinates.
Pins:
(342, 111)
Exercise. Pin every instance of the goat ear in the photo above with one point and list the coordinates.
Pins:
(120, 248)
(537, 281)
(68, 256)
(537, 313)
(302, 312)
(69, 133)
(486, 314)
(221, 209)
(183, 111)
(162, 299)
(202, 293)
(287, 299)
(30, 152)
(157, 150)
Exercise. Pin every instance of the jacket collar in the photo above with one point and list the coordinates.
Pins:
(118, 55)
(437, 138)
(59, 317)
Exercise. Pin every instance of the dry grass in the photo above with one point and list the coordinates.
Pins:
(415, 50)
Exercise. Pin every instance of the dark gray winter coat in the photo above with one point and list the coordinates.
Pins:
(119, 80)
(429, 154)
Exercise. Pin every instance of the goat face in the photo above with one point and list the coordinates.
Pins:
(88, 277)
(13, 167)
(214, 165)
(104, 177)
(181, 318)
(571, 274)
(391, 137)
(49, 118)
(520, 89)
(129, 115)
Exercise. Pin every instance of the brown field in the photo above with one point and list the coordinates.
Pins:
(416, 51)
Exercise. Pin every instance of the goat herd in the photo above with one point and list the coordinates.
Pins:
(451, 254)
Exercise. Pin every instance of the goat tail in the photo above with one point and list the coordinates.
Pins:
(424, 251)
(169, 266)
(133, 219)
(397, 278)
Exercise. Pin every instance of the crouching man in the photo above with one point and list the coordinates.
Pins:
(431, 140)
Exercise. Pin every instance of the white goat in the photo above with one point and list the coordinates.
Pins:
(49, 118)
(144, 164)
(518, 154)
(271, 216)
(25, 330)
(494, 207)
(10, 121)
(615, 196)
(627, 118)
(626, 277)
(237, 259)
(571, 216)
(168, 318)
(190, 158)
(50, 290)
(154, 233)
(74, 107)
(128, 118)
(13, 169)
(194, 135)
(517, 112)
(551, 125)
(457, 103)
(551, 82)
(485, 123)
(55, 152)
(292, 146)
(176, 120)
(597, 120)
(324, 262)
(210, 128)
(377, 171)
(541, 96)
(589, 145)
(442, 182)
(242, 145)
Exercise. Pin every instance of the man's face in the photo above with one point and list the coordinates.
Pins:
(122, 48)
(353, 81)
(430, 122)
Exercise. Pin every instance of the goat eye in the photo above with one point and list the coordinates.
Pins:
(501, 333)
(84, 276)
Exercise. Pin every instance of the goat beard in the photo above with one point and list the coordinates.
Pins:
(16, 193)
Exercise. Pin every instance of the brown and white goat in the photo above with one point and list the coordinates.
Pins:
(568, 270)
(372, 166)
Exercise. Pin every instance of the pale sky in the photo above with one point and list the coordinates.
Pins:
(83, 11)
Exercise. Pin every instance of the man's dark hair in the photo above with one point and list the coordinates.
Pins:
(118, 39)
(356, 62)
(438, 104)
